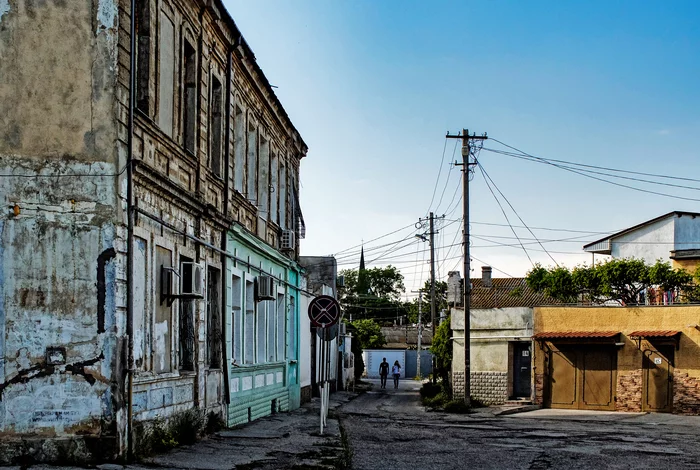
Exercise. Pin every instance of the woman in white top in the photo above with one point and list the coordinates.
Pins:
(396, 372)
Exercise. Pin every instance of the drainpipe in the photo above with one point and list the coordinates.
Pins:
(130, 235)
(224, 235)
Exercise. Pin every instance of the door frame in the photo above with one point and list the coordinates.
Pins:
(645, 377)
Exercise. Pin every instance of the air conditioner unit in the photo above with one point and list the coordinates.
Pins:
(287, 240)
(265, 288)
(342, 329)
(191, 279)
(168, 283)
(340, 281)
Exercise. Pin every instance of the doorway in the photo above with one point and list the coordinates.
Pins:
(521, 370)
(657, 379)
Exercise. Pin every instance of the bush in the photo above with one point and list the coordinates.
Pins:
(430, 390)
(456, 406)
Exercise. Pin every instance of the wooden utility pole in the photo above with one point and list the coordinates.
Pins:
(466, 164)
(432, 285)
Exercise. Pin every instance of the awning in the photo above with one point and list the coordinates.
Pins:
(654, 334)
(579, 337)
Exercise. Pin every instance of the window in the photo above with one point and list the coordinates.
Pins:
(281, 323)
(271, 317)
(236, 318)
(264, 179)
(252, 186)
(292, 328)
(140, 300)
(283, 196)
(186, 325)
(215, 126)
(143, 54)
(213, 318)
(260, 328)
(163, 318)
(249, 333)
(190, 104)
(166, 60)
(274, 190)
(238, 149)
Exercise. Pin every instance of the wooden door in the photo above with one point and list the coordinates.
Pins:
(657, 379)
(562, 379)
(598, 372)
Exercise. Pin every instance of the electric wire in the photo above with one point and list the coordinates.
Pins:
(437, 181)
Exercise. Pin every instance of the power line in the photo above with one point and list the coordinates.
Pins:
(375, 239)
(442, 161)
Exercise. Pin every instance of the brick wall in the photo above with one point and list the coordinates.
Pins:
(686, 394)
(629, 390)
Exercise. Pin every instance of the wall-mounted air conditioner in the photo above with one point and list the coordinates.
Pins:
(287, 240)
(265, 288)
(168, 284)
(191, 279)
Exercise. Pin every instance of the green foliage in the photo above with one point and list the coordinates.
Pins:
(411, 307)
(618, 280)
(376, 294)
(368, 334)
(442, 350)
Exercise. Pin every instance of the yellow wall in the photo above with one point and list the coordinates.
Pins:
(626, 320)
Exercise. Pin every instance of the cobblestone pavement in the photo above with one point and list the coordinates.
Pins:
(389, 429)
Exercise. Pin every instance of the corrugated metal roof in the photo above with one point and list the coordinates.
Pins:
(506, 292)
(655, 333)
(576, 334)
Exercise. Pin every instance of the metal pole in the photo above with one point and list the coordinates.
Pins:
(467, 270)
(432, 287)
(420, 330)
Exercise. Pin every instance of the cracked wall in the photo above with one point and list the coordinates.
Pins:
(61, 241)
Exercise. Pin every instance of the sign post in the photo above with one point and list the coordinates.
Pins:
(324, 312)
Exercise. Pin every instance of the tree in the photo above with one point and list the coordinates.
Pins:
(442, 349)
(377, 296)
(617, 280)
(367, 334)
(440, 302)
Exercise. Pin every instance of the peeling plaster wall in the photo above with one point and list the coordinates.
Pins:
(61, 240)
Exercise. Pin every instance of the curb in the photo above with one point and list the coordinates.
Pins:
(518, 409)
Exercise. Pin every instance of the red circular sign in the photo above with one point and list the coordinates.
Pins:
(324, 311)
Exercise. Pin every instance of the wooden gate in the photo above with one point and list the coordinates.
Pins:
(657, 379)
(582, 377)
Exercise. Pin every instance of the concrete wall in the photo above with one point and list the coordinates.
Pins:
(629, 359)
(61, 242)
(686, 234)
(491, 331)
(650, 243)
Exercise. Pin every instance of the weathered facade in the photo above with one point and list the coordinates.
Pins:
(150, 217)
(618, 358)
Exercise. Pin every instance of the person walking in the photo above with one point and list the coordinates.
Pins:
(396, 372)
(383, 372)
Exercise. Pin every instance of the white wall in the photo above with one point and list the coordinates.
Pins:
(649, 243)
(373, 357)
(304, 337)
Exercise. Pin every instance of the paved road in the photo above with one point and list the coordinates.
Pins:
(388, 429)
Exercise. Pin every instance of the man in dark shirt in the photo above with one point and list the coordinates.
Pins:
(384, 372)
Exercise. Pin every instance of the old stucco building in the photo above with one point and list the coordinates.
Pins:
(149, 244)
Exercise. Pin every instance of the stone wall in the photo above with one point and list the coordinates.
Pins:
(629, 390)
(686, 394)
(490, 388)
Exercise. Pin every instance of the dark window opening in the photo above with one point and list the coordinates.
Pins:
(216, 108)
(213, 318)
(187, 334)
(190, 108)
(143, 54)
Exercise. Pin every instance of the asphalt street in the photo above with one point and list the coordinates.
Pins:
(389, 429)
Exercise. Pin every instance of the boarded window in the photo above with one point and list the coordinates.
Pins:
(249, 333)
(238, 150)
(162, 334)
(264, 179)
(215, 124)
(143, 54)
(283, 196)
(186, 325)
(252, 190)
(213, 318)
(190, 104)
(166, 74)
(140, 284)
(236, 318)
(271, 327)
(261, 328)
(274, 189)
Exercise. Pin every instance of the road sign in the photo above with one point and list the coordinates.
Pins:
(331, 333)
(324, 311)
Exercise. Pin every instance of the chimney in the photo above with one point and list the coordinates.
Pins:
(486, 276)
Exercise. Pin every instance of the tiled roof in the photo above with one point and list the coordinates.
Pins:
(506, 292)
(576, 334)
(655, 334)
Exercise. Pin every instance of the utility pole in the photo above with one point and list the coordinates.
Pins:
(420, 330)
(466, 164)
(432, 284)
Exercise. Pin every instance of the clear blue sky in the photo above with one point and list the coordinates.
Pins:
(373, 86)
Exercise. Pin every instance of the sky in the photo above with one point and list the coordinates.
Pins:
(374, 86)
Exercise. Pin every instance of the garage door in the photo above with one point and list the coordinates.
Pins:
(583, 377)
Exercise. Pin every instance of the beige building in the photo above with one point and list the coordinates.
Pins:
(618, 358)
